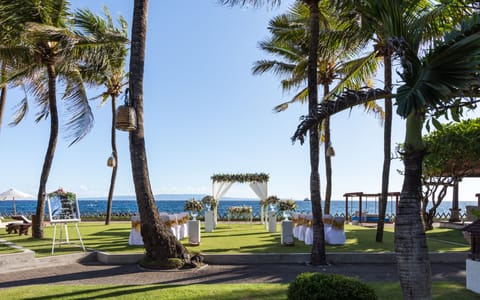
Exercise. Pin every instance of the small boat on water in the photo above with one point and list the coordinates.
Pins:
(306, 199)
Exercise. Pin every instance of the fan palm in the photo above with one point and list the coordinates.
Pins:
(437, 79)
(111, 74)
(48, 50)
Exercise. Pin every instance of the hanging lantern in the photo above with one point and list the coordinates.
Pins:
(125, 116)
(330, 151)
(111, 162)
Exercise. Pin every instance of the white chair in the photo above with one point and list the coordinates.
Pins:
(303, 227)
(296, 226)
(135, 237)
(327, 223)
(309, 230)
(336, 235)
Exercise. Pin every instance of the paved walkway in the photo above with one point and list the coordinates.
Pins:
(96, 273)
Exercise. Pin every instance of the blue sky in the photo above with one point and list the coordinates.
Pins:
(205, 113)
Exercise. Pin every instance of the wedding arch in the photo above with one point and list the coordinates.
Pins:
(221, 183)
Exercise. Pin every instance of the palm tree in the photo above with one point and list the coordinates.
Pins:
(111, 74)
(160, 243)
(48, 50)
(439, 79)
(318, 256)
(338, 43)
(381, 20)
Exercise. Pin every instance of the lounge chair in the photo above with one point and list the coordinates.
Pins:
(20, 226)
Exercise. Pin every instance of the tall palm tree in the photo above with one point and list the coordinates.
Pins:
(318, 256)
(381, 20)
(339, 42)
(48, 50)
(160, 243)
(111, 74)
(440, 78)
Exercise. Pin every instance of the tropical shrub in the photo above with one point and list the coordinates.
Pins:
(318, 286)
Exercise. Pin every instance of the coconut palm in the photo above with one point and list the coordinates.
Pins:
(318, 256)
(338, 43)
(111, 74)
(438, 77)
(160, 243)
(48, 51)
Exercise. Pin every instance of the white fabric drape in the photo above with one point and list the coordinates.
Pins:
(261, 190)
(220, 188)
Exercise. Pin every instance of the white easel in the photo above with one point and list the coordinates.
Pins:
(63, 209)
(64, 225)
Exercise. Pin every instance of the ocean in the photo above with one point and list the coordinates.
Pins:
(128, 206)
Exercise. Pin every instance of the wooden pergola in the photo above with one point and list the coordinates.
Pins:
(362, 195)
(459, 170)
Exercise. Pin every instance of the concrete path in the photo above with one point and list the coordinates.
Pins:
(97, 273)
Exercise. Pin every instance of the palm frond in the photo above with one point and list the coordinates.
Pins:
(79, 117)
(253, 3)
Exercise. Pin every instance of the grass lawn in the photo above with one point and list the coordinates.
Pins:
(390, 291)
(227, 238)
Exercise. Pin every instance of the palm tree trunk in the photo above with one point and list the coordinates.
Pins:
(387, 148)
(158, 239)
(328, 159)
(318, 256)
(37, 226)
(113, 139)
(3, 93)
(410, 241)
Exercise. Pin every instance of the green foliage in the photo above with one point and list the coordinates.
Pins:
(63, 194)
(318, 286)
(241, 178)
(452, 148)
(170, 263)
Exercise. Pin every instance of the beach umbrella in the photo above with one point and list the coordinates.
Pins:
(13, 193)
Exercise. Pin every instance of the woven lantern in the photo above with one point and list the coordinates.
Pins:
(126, 118)
(111, 162)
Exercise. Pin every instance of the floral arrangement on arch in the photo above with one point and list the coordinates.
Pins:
(209, 201)
(287, 205)
(240, 209)
(270, 200)
(193, 205)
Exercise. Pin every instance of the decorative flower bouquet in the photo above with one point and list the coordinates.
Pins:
(193, 205)
(209, 202)
(287, 205)
(272, 200)
(240, 210)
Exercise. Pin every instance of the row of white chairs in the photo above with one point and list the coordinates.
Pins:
(176, 222)
(333, 229)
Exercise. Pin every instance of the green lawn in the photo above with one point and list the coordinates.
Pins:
(390, 291)
(228, 238)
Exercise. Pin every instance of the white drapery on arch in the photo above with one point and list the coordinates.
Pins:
(220, 188)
